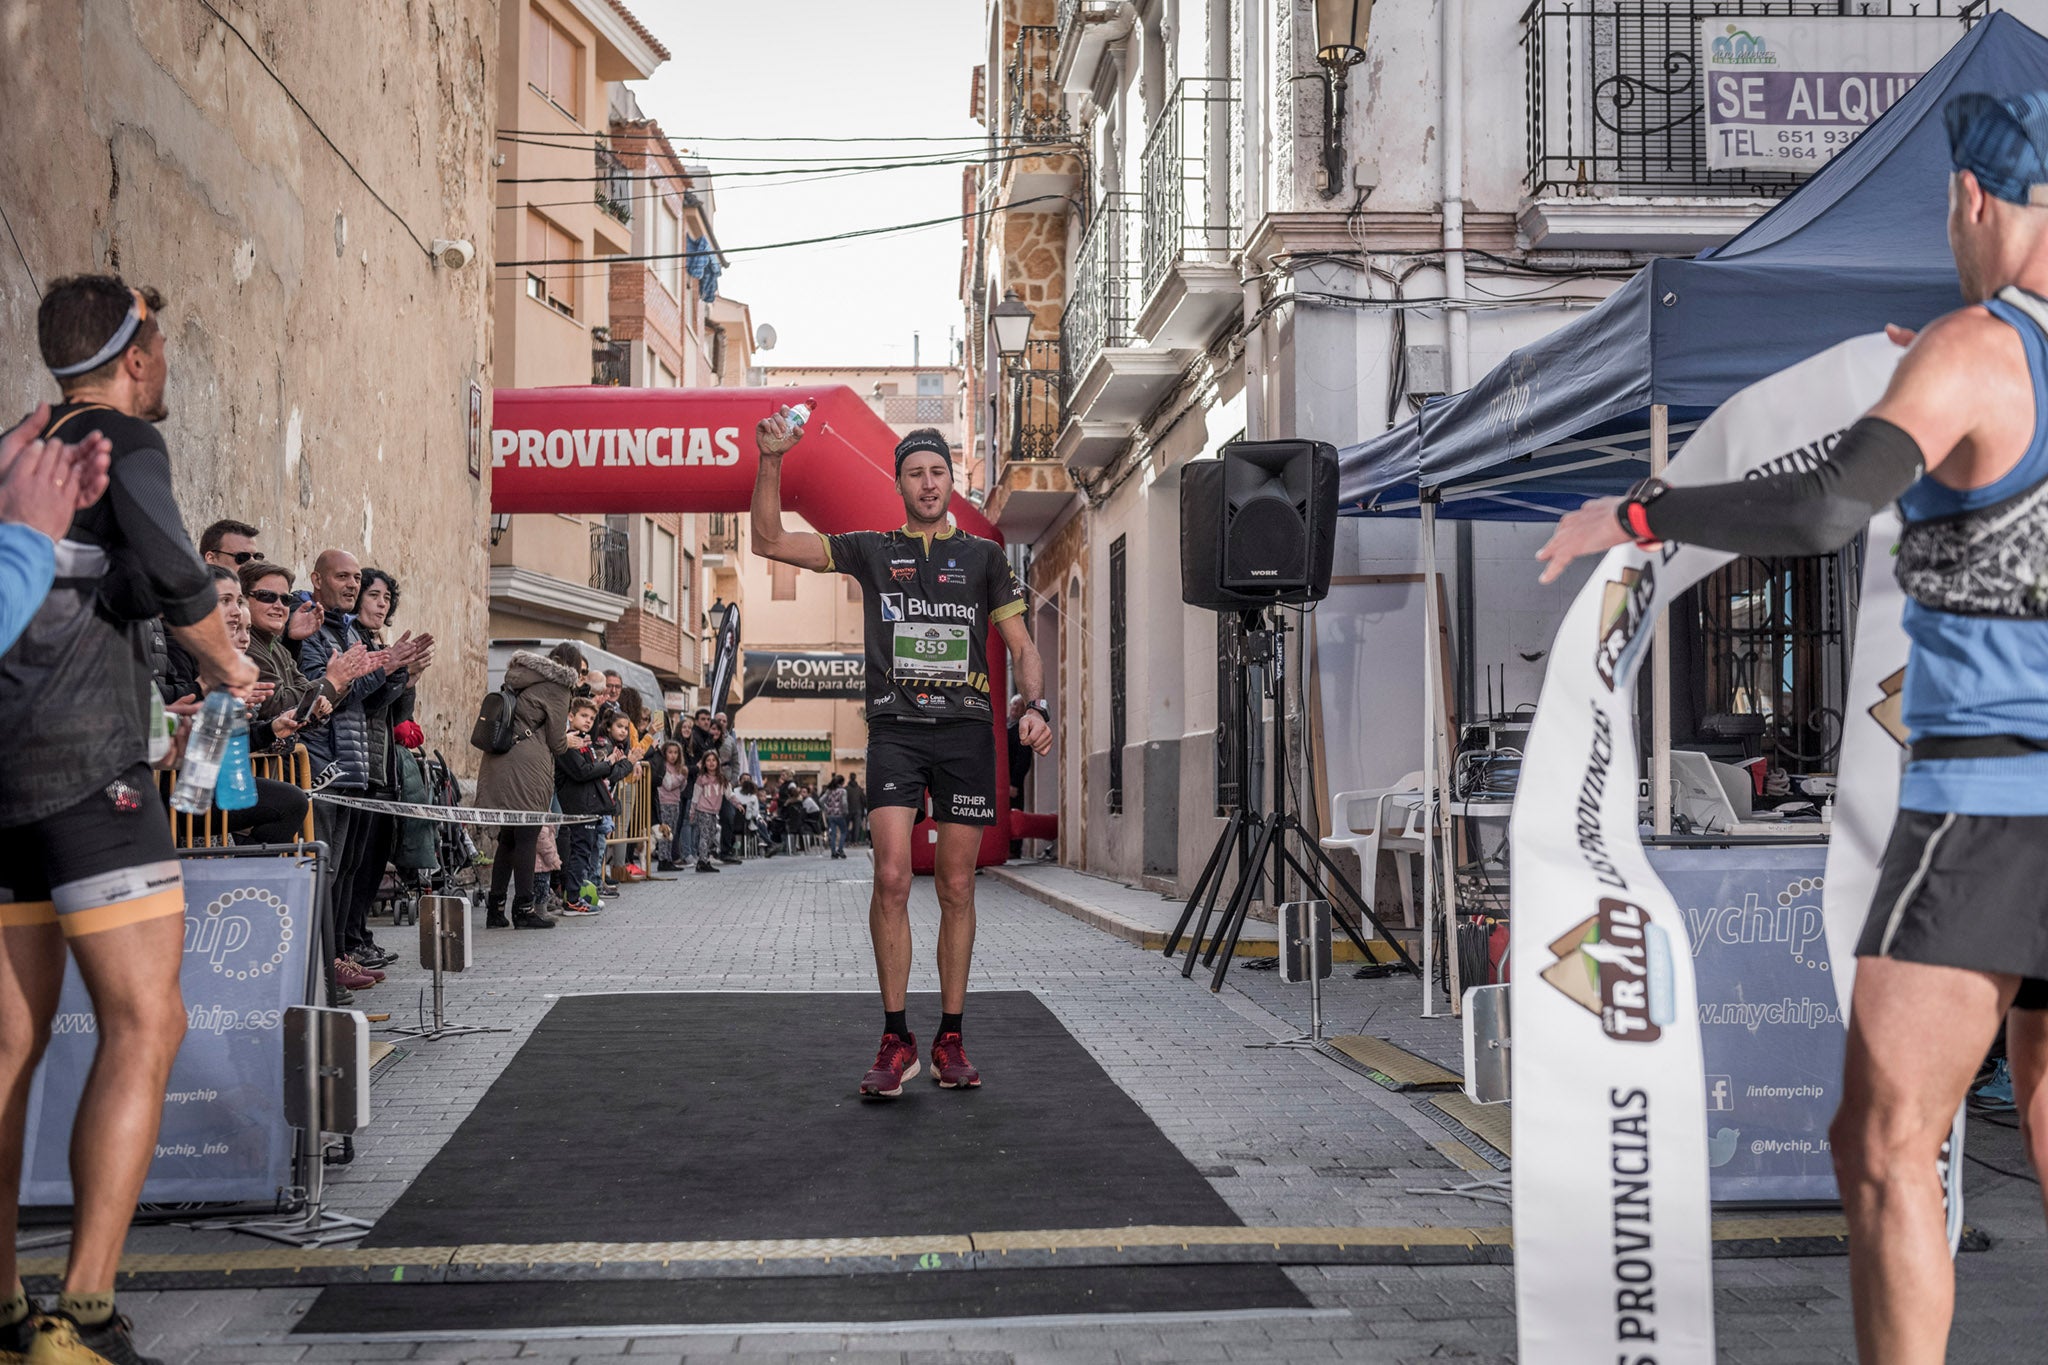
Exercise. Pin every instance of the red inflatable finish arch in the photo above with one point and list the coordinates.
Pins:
(595, 449)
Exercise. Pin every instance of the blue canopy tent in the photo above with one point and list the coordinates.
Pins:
(1862, 243)
(1592, 407)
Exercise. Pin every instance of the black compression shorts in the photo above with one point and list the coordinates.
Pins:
(956, 762)
(102, 863)
(1965, 891)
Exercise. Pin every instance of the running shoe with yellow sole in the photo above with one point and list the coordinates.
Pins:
(895, 1062)
(60, 1340)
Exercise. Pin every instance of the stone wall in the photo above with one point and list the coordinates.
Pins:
(320, 361)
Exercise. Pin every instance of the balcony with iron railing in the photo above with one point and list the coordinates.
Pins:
(614, 185)
(1041, 164)
(1110, 377)
(721, 534)
(611, 561)
(1101, 310)
(1038, 111)
(1191, 219)
(1030, 488)
(1082, 36)
(1616, 103)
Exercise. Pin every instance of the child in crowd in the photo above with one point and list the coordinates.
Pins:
(705, 803)
(616, 740)
(668, 803)
(584, 776)
(747, 800)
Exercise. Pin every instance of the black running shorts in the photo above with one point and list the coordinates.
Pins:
(1965, 891)
(106, 862)
(957, 762)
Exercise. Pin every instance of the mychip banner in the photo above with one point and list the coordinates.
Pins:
(1613, 1253)
(1770, 1027)
(249, 940)
(1787, 92)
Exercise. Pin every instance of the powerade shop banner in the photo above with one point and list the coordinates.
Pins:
(1786, 93)
(1770, 1027)
(249, 935)
(774, 673)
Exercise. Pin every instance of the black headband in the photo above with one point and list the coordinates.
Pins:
(910, 445)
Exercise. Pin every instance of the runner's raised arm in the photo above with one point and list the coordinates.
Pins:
(776, 437)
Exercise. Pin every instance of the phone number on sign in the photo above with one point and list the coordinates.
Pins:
(1808, 144)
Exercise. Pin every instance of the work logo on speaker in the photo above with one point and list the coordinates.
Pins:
(1617, 965)
(242, 934)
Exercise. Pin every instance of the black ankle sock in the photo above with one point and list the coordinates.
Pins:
(948, 1023)
(894, 1022)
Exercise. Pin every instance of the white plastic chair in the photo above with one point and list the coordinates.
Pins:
(1402, 806)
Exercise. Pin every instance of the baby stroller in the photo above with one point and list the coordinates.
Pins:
(429, 857)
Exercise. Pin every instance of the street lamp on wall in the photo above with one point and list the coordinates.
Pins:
(1011, 321)
(1341, 26)
(501, 522)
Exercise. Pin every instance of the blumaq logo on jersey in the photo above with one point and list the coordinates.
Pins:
(892, 606)
(1617, 964)
(1624, 606)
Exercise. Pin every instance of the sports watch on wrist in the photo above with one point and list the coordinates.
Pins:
(1634, 511)
(1044, 710)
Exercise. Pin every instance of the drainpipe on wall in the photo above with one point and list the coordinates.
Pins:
(1456, 320)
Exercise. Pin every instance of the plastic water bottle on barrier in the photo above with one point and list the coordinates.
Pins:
(204, 750)
(235, 789)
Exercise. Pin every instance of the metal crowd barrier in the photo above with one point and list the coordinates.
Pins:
(211, 829)
(636, 806)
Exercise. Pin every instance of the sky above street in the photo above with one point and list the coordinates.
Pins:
(806, 69)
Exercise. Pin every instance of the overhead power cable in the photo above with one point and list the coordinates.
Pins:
(269, 71)
(794, 169)
(778, 246)
(656, 137)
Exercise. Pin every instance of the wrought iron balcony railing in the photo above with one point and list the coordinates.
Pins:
(611, 362)
(1191, 203)
(614, 185)
(1066, 18)
(1035, 411)
(1038, 112)
(926, 409)
(611, 561)
(721, 533)
(1616, 98)
(1101, 308)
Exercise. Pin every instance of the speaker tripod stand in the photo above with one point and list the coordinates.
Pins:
(1257, 836)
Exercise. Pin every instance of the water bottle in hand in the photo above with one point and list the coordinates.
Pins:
(236, 787)
(796, 415)
(204, 750)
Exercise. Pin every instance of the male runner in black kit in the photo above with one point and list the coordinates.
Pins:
(86, 860)
(1958, 932)
(930, 593)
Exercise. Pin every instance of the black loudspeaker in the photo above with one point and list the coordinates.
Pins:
(1259, 525)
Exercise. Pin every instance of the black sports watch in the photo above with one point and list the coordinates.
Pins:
(1041, 708)
(1634, 511)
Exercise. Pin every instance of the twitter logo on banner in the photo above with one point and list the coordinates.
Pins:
(1721, 1147)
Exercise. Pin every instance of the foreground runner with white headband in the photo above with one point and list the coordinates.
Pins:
(1958, 931)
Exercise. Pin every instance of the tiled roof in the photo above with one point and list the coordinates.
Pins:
(640, 30)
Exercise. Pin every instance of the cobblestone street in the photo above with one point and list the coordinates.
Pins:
(1287, 1137)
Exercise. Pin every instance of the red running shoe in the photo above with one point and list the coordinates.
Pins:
(895, 1063)
(950, 1067)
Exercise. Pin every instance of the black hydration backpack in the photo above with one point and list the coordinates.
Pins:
(497, 726)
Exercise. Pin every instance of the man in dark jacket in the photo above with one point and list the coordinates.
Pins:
(342, 746)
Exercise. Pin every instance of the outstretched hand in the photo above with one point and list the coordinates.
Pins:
(1591, 530)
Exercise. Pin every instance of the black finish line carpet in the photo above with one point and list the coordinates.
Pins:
(710, 1116)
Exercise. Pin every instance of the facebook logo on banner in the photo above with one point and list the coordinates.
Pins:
(1720, 1094)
